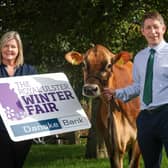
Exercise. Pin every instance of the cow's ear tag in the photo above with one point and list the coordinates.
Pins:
(120, 61)
(74, 58)
(124, 57)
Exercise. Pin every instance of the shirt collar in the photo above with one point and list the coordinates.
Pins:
(159, 46)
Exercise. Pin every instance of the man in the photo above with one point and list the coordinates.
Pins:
(152, 122)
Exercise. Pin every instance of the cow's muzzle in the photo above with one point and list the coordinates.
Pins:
(91, 90)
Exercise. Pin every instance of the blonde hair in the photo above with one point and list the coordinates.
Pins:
(9, 36)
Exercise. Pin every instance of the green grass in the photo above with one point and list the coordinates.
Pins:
(68, 156)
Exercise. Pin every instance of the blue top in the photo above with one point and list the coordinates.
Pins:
(160, 77)
(25, 69)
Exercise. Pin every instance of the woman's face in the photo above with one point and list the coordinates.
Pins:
(10, 51)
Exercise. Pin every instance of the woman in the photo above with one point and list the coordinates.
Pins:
(12, 154)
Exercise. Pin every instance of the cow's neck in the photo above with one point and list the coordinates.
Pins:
(116, 108)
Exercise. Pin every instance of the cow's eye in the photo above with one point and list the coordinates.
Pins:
(109, 66)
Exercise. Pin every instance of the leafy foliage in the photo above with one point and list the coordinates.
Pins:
(49, 29)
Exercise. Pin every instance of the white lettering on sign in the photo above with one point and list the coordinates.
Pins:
(38, 128)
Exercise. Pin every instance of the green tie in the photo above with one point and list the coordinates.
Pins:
(147, 95)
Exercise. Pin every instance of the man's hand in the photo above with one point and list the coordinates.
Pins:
(108, 93)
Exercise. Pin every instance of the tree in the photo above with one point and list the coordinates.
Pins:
(49, 29)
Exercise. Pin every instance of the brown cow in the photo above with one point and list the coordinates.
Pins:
(115, 120)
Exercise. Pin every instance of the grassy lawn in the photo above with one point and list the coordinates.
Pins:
(68, 156)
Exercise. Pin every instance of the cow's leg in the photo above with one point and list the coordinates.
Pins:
(135, 158)
(114, 155)
(116, 159)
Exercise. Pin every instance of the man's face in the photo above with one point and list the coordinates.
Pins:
(153, 31)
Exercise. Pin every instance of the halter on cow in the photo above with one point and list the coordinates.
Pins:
(116, 120)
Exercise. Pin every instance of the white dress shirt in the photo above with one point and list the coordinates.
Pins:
(160, 77)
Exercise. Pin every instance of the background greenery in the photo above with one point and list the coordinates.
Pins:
(50, 28)
(69, 156)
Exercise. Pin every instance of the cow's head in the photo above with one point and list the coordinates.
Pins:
(98, 62)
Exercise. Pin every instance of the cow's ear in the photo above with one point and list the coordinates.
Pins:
(115, 58)
(123, 57)
(74, 58)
